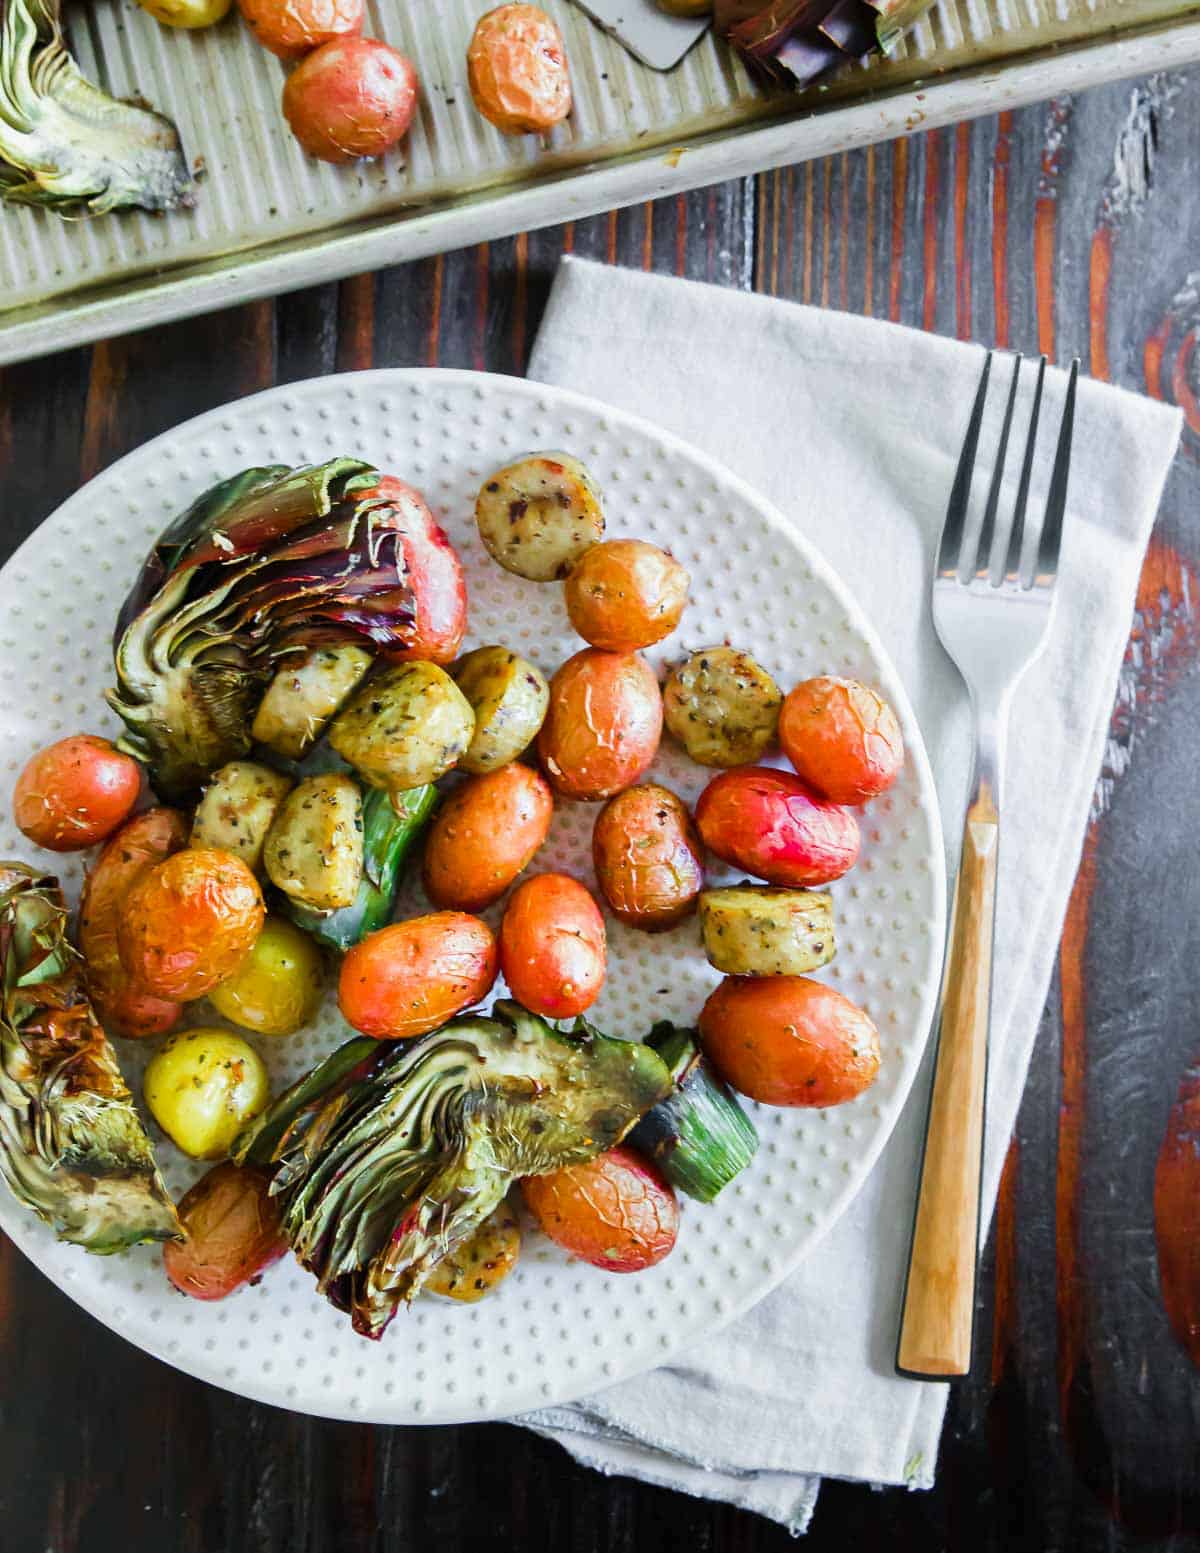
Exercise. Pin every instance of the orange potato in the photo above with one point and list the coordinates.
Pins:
(75, 793)
(233, 1232)
(413, 976)
(352, 97)
(188, 922)
(293, 28)
(517, 70)
(773, 825)
(789, 1040)
(603, 724)
(624, 594)
(122, 1006)
(648, 858)
(484, 835)
(615, 1211)
(552, 946)
(842, 738)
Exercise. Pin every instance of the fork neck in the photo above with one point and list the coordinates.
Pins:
(987, 777)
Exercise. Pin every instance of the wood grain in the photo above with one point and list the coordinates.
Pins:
(1079, 1427)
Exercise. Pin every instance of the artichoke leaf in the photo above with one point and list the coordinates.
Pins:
(63, 142)
(72, 1146)
(801, 41)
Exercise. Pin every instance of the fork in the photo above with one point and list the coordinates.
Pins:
(993, 623)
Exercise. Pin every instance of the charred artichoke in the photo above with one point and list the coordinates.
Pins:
(389, 1157)
(799, 41)
(271, 561)
(64, 142)
(72, 1147)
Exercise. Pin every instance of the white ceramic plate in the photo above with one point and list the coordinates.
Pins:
(558, 1329)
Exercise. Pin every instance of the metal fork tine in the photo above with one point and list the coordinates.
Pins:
(960, 492)
(1012, 566)
(1056, 502)
(980, 562)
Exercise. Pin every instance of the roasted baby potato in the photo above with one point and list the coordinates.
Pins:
(202, 1087)
(752, 930)
(648, 859)
(603, 724)
(414, 975)
(351, 97)
(517, 70)
(188, 922)
(787, 1040)
(773, 825)
(233, 1233)
(625, 594)
(305, 693)
(553, 952)
(842, 737)
(75, 793)
(293, 28)
(538, 516)
(509, 698)
(405, 727)
(485, 835)
(314, 852)
(187, 13)
(277, 987)
(238, 809)
(480, 1265)
(722, 707)
(615, 1211)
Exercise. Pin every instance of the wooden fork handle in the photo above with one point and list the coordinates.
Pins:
(939, 1300)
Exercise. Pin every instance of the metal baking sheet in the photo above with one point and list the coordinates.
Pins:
(269, 219)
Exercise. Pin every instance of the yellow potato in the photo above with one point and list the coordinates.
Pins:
(314, 850)
(187, 13)
(509, 698)
(202, 1087)
(480, 1265)
(405, 727)
(238, 809)
(277, 987)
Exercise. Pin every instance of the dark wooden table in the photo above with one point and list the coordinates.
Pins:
(1071, 228)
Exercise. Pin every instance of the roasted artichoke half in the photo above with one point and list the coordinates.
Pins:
(271, 560)
(72, 1147)
(388, 1157)
(64, 142)
(802, 41)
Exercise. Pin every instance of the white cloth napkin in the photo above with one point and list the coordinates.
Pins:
(852, 428)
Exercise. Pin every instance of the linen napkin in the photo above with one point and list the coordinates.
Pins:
(852, 428)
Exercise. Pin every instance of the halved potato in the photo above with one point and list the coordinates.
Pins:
(238, 809)
(305, 693)
(722, 707)
(755, 930)
(314, 852)
(480, 1265)
(405, 727)
(509, 698)
(539, 515)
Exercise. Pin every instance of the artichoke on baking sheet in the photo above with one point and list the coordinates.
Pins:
(72, 1146)
(389, 1157)
(64, 142)
(269, 562)
(800, 41)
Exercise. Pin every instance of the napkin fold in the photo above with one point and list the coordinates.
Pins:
(852, 428)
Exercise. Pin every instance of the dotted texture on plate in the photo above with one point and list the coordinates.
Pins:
(558, 1328)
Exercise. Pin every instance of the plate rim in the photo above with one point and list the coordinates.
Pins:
(39, 1245)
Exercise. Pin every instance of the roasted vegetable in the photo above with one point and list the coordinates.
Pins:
(480, 1265)
(233, 1236)
(72, 1147)
(722, 706)
(624, 594)
(842, 737)
(648, 859)
(698, 1136)
(66, 144)
(553, 952)
(799, 41)
(202, 1086)
(75, 793)
(270, 560)
(485, 835)
(517, 70)
(603, 725)
(773, 825)
(188, 14)
(351, 97)
(238, 809)
(409, 978)
(293, 28)
(537, 516)
(314, 851)
(509, 698)
(277, 987)
(387, 1166)
(405, 727)
(307, 690)
(754, 930)
(615, 1211)
(392, 824)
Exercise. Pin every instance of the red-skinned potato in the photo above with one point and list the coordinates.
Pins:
(350, 98)
(615, 1211)
(188, 922)
(432, 570)
(517, 70)
(648, 858)
(123, 1007)
(789, 1040)
(75, 793)
(484, 835)
(624, 594)
(552, 946)
(774, 826)
(413, 976)
(603, 724)
(293, 28)
(233, 1232)
(842, 737)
